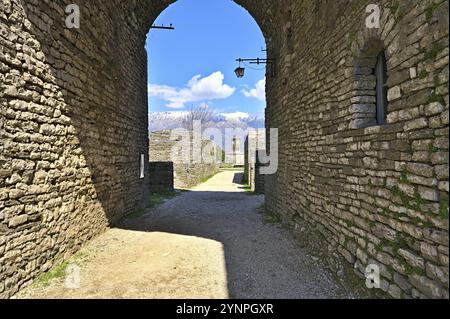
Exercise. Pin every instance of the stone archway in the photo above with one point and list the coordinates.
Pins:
(73, 157)
(73, 124)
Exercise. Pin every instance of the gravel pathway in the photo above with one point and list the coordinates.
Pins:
(209, 242)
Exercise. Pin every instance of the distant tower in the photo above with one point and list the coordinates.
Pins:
(237, 154)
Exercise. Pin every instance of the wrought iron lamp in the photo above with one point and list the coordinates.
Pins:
(240, 71)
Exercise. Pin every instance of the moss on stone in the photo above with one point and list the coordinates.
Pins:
(429, 11)
(423, 74)
(432, 53)
(407, 268)
(351, 37)
(269, 217)
(390, 269)
(419, 271)
(406, 200)
(418, 200)
(394, 7)
(436, 81)
(397, 11)
(349, 223)
(382, 244)
(443, 209)
(400, 242)
(427, 224)
(385, 211)
(404, 177)
(432, 148)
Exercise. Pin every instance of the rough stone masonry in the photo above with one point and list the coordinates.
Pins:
(73, 126)
(178, 148)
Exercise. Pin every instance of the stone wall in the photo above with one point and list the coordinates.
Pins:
(161, 177)
(259, 180)
(255, 142)
(371, 195)
(235, 155)
(187, 173)
(73, 125)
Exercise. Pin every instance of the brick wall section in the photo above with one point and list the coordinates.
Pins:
(73, 124)
(161, 177)
(186, 173)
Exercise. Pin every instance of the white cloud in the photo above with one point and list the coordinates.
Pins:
(197, 89)
(235, 116)
(259, 92)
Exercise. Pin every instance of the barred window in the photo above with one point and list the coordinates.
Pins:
(381, 89)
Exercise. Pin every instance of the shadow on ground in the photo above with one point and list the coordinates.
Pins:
(262, 261)
(210, 242)
(238, 179)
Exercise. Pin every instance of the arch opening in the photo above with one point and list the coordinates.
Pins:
(191, 79)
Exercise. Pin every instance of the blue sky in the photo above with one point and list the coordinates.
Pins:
(194, 64)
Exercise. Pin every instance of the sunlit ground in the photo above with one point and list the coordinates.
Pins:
(132, 264)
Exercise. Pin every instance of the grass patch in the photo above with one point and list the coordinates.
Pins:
(56, 273)
(247, 188)
(227, 166)
(206, 178)
(154, 200)
(59, 272)
(269, 217)
(157, 199)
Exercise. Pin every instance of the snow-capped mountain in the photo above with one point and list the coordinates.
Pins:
(171, 120)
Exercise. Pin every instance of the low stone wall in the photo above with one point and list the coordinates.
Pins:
(186, 173)
(161, 177)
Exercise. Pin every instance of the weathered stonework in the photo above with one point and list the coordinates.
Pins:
(235, 155)
(363, 194)
(73, 125)
(161, 177)
(186, 172)
(254, 143)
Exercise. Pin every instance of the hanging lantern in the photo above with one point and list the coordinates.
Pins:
(240, 72)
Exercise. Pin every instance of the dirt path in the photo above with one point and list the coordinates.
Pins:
(206, 243)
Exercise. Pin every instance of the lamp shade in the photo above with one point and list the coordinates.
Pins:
(240, 72)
